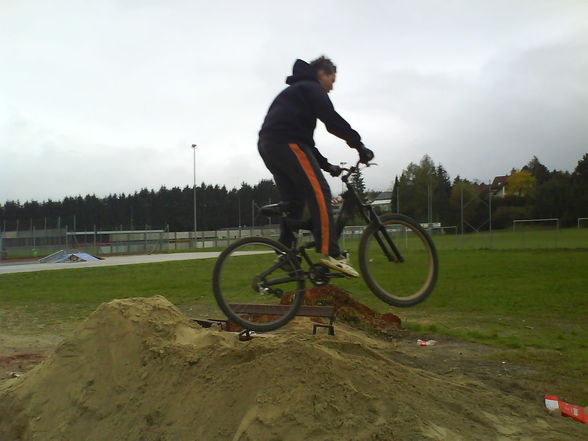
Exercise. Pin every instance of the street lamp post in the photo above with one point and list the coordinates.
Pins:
(195, 224)
(239, 211)
(342, 164)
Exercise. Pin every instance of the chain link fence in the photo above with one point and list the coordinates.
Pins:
(38, 243)
(33, 244)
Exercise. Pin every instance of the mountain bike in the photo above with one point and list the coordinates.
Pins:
(397, 260)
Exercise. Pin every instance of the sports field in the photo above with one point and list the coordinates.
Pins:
(525, 237)
(530, 302)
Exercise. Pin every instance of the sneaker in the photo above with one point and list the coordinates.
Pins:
(340, 264)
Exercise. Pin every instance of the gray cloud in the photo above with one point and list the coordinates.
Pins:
(108, 97)
(534, 102)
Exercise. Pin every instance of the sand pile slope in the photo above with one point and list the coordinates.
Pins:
(137, 369)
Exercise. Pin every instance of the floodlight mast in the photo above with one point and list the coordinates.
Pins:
(194, 188)
(342, 164)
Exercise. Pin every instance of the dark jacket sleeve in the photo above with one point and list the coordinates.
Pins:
(322, 161)
(325, 111)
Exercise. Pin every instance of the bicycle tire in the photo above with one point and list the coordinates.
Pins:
(235, 276)
(405, 283)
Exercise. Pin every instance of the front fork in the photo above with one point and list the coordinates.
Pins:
(391, 250)
(369, 215)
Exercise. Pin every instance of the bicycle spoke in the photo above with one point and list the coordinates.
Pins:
(388, 247)
(252, 273)
(399, 266)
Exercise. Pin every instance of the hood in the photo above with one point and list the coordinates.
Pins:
(302, 71)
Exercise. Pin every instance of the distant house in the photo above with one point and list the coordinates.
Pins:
(499, 186)
(383, 202)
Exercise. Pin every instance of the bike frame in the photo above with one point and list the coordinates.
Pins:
(283, 265)
(351, 201)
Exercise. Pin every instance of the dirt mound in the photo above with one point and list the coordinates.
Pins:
(350, 310)
(13, 365)
(137, 369)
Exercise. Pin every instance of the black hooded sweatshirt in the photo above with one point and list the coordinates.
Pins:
(293, 114)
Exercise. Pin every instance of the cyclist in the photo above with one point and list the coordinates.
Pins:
(288, 150)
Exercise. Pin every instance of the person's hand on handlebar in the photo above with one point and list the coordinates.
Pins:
(333, 170)
(365, 154)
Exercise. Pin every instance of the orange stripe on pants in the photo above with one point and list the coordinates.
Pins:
(318, 193)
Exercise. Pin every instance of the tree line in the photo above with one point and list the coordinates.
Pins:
(173, 208)
(423, 191)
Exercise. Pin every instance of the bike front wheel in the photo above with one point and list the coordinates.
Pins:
(258, 284)
(398, 260)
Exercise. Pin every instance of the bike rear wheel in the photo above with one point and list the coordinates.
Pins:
(403, 281)
(257, 284)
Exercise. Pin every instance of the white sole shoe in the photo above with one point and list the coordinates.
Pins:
(340, 265)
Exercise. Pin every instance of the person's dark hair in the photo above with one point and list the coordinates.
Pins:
(325, 64)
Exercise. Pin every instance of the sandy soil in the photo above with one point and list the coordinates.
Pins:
(138, 369)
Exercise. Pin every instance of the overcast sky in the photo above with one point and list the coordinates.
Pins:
(107, 97)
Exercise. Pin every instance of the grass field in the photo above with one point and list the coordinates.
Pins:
(531, 302)
(524, 238)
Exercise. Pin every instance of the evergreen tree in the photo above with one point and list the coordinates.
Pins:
(423, 187)
(441, 194)
(358, 183)
(579, 183)
(394, 200)
(555, 198)
(534, 192)
(538, 170)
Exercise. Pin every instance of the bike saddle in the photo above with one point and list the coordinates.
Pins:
(275, 209)
(282, 209)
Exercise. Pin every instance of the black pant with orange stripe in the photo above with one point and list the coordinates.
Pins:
(300, 181)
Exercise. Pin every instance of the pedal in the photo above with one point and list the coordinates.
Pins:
(246, 335)
(319, 274)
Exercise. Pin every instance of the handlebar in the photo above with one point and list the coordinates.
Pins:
(349, 171)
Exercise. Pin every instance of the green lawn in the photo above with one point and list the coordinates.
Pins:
(532, 303)
(525, 237)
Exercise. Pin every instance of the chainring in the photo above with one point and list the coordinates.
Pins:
(317, 274)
